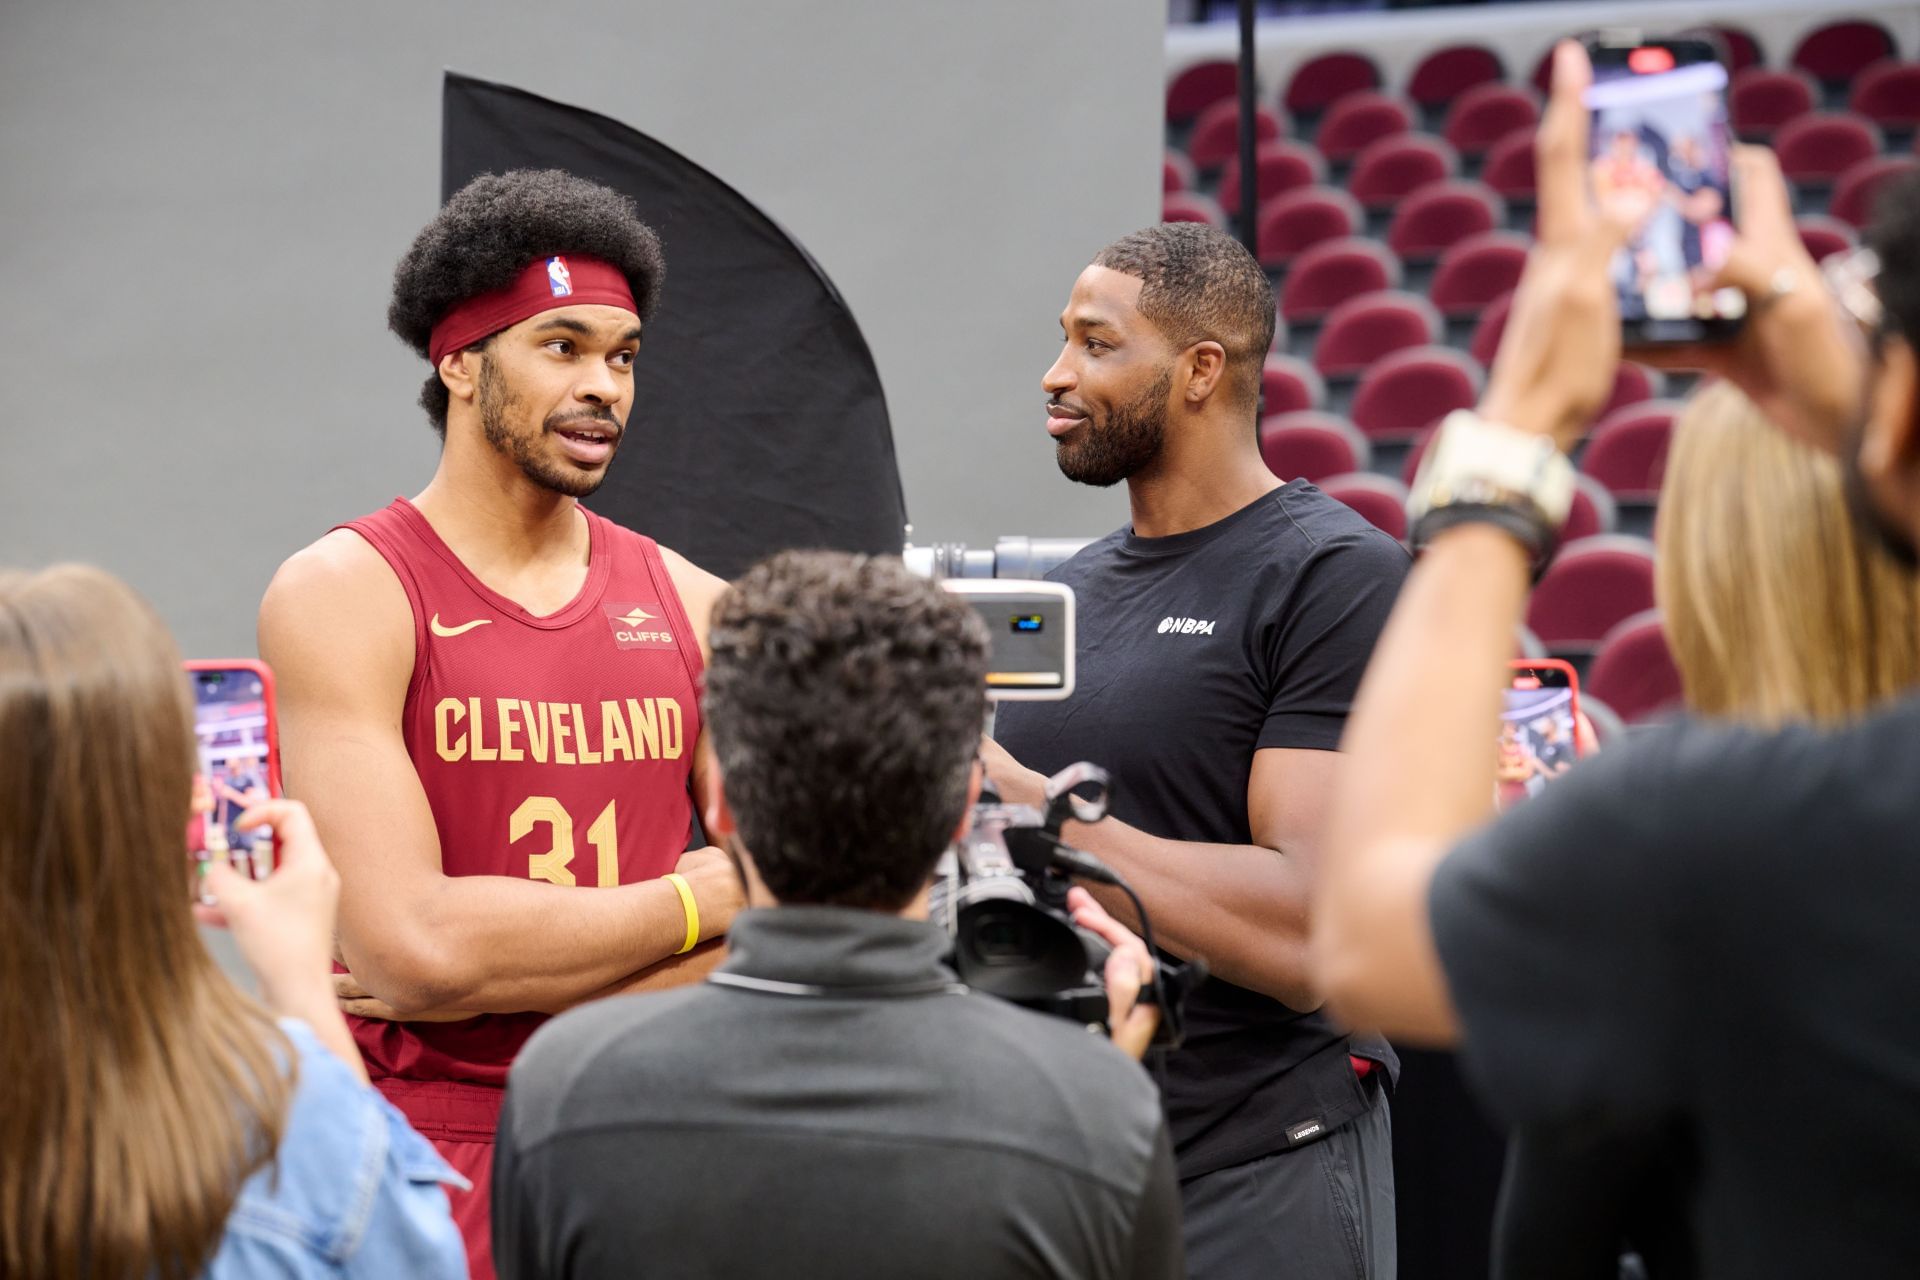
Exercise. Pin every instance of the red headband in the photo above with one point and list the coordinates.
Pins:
(545, 284)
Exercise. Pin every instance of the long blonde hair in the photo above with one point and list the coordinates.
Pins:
(140, 1086)
(1779, 608)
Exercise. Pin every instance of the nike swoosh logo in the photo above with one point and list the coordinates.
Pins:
(449, 632)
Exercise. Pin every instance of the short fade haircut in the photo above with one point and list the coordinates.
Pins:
(491, 229)
(845, 698)
(1199, 283)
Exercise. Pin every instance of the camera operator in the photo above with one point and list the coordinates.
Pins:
(832, 1102)
(1221, 637)
(1710, 929)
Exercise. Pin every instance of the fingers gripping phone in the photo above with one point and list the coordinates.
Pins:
(238, 740)
(1539, 737)
(1660, 160)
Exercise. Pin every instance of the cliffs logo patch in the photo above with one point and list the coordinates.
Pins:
(1186, 626)
(559, 279)
(639, 626)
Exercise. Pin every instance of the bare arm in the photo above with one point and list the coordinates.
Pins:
(674, 971)
(337, 629)
(1242, 907)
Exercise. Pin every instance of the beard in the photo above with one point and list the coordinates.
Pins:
(498, 405)
(1106, 453)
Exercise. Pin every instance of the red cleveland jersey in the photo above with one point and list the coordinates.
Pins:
(552, 748)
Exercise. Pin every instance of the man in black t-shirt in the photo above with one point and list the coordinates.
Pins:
(1707, 932)
(1220, 638)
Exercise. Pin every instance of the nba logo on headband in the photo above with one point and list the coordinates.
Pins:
(559, 279)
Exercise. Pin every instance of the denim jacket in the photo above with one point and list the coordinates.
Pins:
(358, 1192)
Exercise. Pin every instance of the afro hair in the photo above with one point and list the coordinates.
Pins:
(492, 228)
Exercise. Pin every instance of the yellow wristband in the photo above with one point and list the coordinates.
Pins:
(679, 882)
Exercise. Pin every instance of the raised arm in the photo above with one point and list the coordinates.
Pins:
(337, 629)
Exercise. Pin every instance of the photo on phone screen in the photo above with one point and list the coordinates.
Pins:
(234, 732)
(1539, 730)
(1660, 159)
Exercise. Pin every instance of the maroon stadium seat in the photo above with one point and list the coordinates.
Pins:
(1762, 99)
(1742, 49)
(1486, 332)
(1408, 391)
(1820, 146)
(1627, 452)
(1592, 512)
(1288, 384)
(1334, 271)
(1411, 466)
(1200, 86)
(1857, 188)
(1482, 116)
(1841, 50)
(1300, 220)
(1632, 384)
(1436, 217)
(1508, 168)
(1310, 445)
(1216, 134)
(1478, 270)
(1383, 501)
(1633, 670)
(1359, 119)
(1283, 166)
(1445, 74)
(1320, 81)
(1393, 167)
(1363, 330)
(1824, 236)
(1176, 173)
(1888, 93)
(1591, 585)
(1191, 206)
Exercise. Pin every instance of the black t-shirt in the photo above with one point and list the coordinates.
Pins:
(1193, 652)
(1714, 930)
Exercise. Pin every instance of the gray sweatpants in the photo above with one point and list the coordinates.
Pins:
(1320, 1212)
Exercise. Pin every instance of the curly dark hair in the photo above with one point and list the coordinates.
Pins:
(845, 698)
(1198, 282)
(491, 229)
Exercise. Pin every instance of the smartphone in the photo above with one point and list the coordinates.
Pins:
(1660, 157)
(1539, 737)
(238, 740)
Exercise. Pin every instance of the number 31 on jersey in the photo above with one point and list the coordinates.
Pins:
(556, 864)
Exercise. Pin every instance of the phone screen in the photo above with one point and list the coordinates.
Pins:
(1659, 158)
(1539, 730)
(233, 731)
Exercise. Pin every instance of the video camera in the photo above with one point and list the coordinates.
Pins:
(1001, 890)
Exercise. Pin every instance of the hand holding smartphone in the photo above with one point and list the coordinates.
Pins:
(238, 741)
(1539, 738)
(1660, 162)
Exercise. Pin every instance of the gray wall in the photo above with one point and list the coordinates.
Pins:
(202, 203)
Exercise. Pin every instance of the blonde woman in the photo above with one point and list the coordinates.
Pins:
(155, 1120)
(1779, 607)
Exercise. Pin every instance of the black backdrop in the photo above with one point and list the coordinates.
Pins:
(758, 420)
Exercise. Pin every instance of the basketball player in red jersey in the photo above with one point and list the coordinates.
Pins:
(489, 694)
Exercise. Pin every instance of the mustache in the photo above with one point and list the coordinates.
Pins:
(604, 415)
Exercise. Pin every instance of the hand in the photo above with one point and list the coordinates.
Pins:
(716, 886)
(284, 924)
(1562, 339)
(1016, 783)
(357, 1000)
(1799, 358)
(1129, 968)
